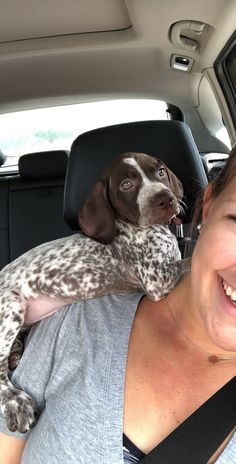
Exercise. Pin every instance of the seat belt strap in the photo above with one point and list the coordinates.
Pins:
(200, 435)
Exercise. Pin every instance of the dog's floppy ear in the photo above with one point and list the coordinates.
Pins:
(97, 219)
(175, 184)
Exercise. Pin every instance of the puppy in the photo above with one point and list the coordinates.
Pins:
(127, 247)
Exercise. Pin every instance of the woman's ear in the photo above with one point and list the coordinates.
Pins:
(207, 202)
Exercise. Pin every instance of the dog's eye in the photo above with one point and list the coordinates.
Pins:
(126, 184)
(161, 172)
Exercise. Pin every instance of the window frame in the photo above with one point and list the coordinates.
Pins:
(223, 75)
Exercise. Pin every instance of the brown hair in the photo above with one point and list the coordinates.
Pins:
(226, 175)
(218, 185)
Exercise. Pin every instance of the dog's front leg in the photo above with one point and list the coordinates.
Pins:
(17, 407)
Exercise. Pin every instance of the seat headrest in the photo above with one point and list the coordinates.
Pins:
(43, 165)
(91, 152)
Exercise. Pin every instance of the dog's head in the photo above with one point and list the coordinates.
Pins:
(135, 188)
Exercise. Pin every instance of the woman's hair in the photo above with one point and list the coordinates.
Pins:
(226, 175)
(218, 185)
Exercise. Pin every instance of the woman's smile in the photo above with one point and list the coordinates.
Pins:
(229, 291)
(220, 316)
(227, 296)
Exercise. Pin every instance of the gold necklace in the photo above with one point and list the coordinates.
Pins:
(211, 357)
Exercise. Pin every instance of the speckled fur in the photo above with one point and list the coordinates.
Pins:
(141, 255)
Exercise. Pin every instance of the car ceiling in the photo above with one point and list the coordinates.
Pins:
(54, 52)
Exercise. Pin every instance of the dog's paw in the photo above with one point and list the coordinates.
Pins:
(20, 411)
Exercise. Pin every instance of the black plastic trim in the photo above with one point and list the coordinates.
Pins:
(175, 113)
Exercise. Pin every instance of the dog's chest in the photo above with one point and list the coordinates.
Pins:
(153, 244)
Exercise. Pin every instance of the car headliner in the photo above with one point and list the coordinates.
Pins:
(54, 52)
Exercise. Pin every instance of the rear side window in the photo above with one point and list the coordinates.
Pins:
(57, 127)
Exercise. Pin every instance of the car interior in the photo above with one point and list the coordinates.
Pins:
(83, 81)
(107, 51)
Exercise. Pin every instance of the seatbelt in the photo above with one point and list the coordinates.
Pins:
(199, 436)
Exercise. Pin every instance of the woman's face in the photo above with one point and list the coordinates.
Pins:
(213, 275)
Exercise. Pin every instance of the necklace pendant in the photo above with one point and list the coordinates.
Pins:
(213, 358)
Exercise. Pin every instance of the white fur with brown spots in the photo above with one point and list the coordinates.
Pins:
(127, 246)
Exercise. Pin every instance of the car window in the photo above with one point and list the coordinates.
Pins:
(56, 127)
(225, 68)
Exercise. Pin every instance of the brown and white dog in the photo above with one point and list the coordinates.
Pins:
(128, 246)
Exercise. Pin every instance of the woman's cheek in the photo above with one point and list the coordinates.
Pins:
(214, 252)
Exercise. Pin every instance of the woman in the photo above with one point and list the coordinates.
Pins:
(124, 364)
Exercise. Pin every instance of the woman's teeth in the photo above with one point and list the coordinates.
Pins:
(229, 291)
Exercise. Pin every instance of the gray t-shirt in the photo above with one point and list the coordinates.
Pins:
(74, 366)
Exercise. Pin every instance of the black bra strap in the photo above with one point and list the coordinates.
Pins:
(199, 436)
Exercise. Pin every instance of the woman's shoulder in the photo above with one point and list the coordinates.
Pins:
(102, 311)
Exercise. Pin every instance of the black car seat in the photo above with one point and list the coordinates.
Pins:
(35, 201)
(172, 141)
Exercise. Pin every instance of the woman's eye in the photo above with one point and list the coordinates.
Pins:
(232, 217)
(126, 184)
(161, 172)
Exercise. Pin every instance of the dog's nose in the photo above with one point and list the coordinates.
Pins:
(164, 200)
